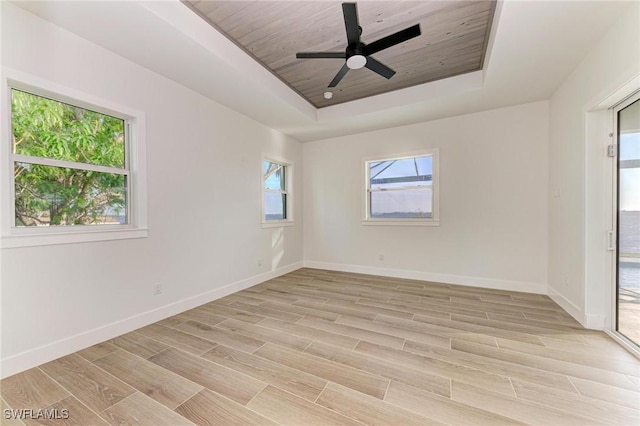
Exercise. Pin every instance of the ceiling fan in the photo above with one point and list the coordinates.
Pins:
(357, 53)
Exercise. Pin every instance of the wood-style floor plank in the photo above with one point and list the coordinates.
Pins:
(355, 332)
(210, 408)
(267, 312)
(172, 322)
(515, 408)
(391, 371)
(282, 297)
(221, 336)
(139, 344)
(364, 307)
(589, 359)
(612, 394)
(201, 316)
(438, 367)
(497, 366)
(139, 409)
(437, 330)
(442, 409)
(93, 386)
(288, 409)
(226, 311)
(408, 307)
(164, 386)
(262, 334)
(328, 370)
(69, 411)
(300, 310)
(546, 364)
(594, 409)
(513, 326)
(316, 347)
(9, 419)
(176, 338)
(605, 345)
(97, 351)
(292, 380)
(367, 409)
(378, 327)
(482, 329)
(310, 333)
(31, 389)
(328, 307)
(210, 375)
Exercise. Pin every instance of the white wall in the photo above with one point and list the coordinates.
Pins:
(493, 202)
(579, 172)
(204, 174)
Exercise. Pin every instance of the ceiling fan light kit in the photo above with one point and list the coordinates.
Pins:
(357, 54)
(356, 62)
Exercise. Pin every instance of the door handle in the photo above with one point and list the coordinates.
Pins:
(611, 241)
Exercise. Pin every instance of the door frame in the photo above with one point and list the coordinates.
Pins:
(614, 232)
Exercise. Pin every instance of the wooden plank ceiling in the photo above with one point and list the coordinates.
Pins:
(453, 41)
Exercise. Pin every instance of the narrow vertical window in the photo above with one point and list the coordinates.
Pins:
(275, 176)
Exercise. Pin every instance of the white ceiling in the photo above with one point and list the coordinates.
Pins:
(534, 46)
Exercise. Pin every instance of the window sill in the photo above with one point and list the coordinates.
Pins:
(32, 239)
(277, 223)
(383, 222)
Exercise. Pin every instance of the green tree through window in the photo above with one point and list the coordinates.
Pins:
(69, 164)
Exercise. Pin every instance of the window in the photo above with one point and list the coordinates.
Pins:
(402, 190)
(276, 199)
(70, 171)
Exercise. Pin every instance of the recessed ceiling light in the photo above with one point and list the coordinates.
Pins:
(328, 95)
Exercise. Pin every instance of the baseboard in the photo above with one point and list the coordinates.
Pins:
(34, 357)
(434, 277)
(571, 308)
(594, 322)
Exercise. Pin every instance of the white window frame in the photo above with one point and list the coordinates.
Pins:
(613, 317)
(434, 220)
(135, 168)
(288, 191)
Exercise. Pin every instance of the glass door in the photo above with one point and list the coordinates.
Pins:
(628, 219)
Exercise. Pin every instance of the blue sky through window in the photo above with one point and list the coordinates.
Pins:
(629, 147)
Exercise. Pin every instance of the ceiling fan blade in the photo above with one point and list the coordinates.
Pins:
(329, 55)
(350, 13)
(393, 39)
(338, 77)
(379, 68)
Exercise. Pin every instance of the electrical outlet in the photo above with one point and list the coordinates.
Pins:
(157, 289)
(381, 257)
(259, 262)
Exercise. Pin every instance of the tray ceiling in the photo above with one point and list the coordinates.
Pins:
(454, 41)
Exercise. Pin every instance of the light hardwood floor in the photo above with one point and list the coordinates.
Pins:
(316, 347)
